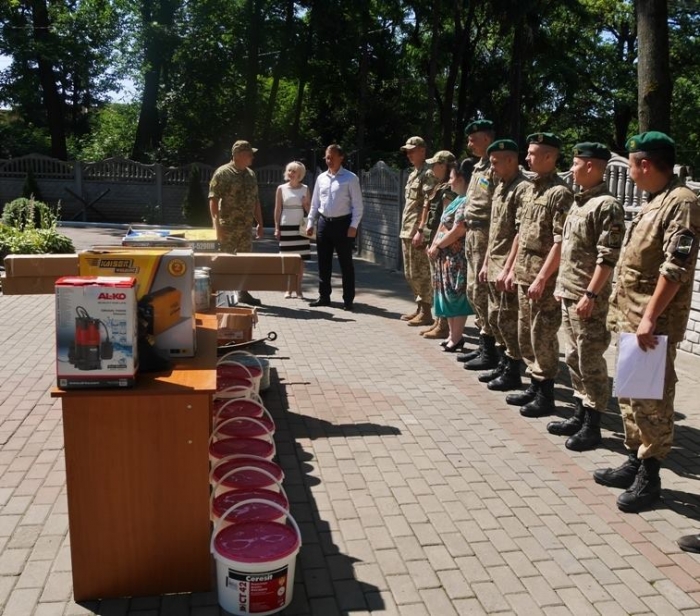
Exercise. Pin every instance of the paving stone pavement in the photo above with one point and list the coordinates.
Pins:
(418, 490)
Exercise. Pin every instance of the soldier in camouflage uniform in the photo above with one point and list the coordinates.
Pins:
(503, 302)
(652, 297)
(540, 222)
(234, 203)
(480, 134)
(419, 186)
(591, 246)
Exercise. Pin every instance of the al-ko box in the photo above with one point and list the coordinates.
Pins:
(165, 291)
(96, 332)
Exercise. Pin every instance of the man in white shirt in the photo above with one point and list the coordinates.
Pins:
(336, 205)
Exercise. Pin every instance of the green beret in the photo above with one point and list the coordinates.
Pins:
(650, 141)
(503, 145)
(549, 139)
(478, 125)
(443, 156)
(592, 149)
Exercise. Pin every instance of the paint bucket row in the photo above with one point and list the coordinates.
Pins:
(255, 540)
(241, 372)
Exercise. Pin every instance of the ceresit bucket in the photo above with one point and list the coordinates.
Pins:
(227, 447)
(254, 364)
(245, 427)
(255, 562)
(233, 369)
(252, 512)
(226, 408)
(245, 473)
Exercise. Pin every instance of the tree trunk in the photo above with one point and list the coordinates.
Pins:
(653, 71)
(363, 76)
(148, 130)
(253, 9)
(518, 54)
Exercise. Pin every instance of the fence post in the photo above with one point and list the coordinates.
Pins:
(159, 191)
(78, 171)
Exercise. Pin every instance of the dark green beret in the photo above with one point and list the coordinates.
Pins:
(478, 125)
(503, 145)
(592, 149)
(549, 139)
(650, 141)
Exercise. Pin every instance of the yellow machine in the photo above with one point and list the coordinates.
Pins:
(161, 309)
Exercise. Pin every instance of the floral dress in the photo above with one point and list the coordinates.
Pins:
(450, 271)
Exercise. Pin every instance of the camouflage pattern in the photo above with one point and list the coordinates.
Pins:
(441, 196)
(586, 341)
(648, 424)
(416, 267)
(237, 192)
(503, 319)
(420, 184)
(661, 241)
(480, 192)
(593, 232)
(538, 325)
(540, 222)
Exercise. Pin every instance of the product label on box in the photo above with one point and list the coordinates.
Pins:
(259, 592)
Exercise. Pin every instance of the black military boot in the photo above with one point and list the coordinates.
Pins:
(474, 353)
(510, 377)
(620, 477)
(490, 375)
(588, 437)
(487, 359)
(570, 426)
(526, 396)
(543, 404)
(645, 490)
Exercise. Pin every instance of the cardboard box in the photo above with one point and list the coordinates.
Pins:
(36, 274)
(251, 271)
(165, 290)
(96, 332)
(235, 324)
(200, 240)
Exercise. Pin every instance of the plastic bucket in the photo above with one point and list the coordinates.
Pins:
(253, 363)
(241, 388)
(253, 512)
(245, 473)
(235, 369)
(255, 563)
(228, 447)
(226, 408)
(245, 427)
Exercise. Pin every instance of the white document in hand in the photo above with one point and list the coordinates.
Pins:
(640, 374)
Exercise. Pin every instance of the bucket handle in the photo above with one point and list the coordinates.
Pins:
(235, 363)
(259, 501)
(241, 352)
(235, 470)
(233, 457)
(259, 402)
(264, 410)
(274, 448)
(234, 388)
(215, 431)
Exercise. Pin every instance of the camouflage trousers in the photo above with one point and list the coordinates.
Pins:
(416, 267)
(586, 341)
(538, 326)
(236, 239)
(475, 248)
(503, 319)
(649, 423)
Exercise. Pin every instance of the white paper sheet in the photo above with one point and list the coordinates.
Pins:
(640, 374)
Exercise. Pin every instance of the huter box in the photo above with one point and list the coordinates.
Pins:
(165, 291)
(96, 332)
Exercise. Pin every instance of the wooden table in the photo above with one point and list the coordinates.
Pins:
(137, 476)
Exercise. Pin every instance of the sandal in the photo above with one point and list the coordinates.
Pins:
(288, 295)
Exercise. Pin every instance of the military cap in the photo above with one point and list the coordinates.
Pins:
(503, 145)
(591, 149)
(651, 141)
(242, 146)
(549, 139)
(443, 156)
(478, 125)
(413, 142)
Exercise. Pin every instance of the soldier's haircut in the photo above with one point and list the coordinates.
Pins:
(663, 160)
(334, 147)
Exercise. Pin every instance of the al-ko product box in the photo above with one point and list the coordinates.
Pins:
(96, 332)
(165, 291)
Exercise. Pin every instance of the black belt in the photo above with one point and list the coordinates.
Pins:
(333, 218)
(476, 224)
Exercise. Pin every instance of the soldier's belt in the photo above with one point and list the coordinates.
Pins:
(477, 224)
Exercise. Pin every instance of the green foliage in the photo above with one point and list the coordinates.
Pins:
(195, 207)
(33, 241)
(112, 132)
(30, 190)
(26, 214)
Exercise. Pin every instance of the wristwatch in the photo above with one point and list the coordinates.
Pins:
(591, 295)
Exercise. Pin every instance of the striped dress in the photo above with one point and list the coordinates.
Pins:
(291, 241)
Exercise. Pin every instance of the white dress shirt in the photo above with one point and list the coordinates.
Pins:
(337, 195)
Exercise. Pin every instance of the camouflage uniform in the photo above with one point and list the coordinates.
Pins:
(237, 192)
(540, 221)
(421, 183)
(503, 305)
(661, 241)
(442, 193)
(592, 236)
(478, 216)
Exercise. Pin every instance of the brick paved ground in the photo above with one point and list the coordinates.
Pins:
(418, 491)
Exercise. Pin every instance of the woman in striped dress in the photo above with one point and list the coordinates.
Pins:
(292, 203)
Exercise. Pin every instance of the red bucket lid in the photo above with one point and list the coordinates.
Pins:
(237, 407)
(242, 428)
(256, 542)
(238, 370)
(241, 446)
(248, 478)
(251, 512)
(224, 382)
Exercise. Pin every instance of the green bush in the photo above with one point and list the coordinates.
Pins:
(25, 213)
(33, 241)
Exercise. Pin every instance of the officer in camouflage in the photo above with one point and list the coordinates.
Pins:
(419, 186)
(234, 204)
(652, 297)
(540, 223)
(590, 248)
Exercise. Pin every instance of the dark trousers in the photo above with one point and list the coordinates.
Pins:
(332, 235)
